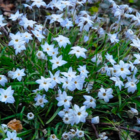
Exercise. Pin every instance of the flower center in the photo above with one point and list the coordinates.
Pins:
(104, 94)
(75, 82)
(16, 40)
(57, 62)
(65, 100)
(80, 133)
(45, 83)
(5, 96)
(40, 101)
(65, 136)
(132, 84)
(79, 113)
(114, 71)
(53, 136)
(73, 132)
(0, 78)
(122, 69)
(66, 119)
(91, 100)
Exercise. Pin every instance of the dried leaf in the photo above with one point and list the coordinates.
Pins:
(7, 8)
(15, 125)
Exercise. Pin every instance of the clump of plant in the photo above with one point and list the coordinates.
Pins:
(69, 71)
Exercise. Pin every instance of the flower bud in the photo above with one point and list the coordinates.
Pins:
(4, 127)
(131, 113)
(41, 55)
(135, 111)
(95, 120)
(138, 121)
(30, 116)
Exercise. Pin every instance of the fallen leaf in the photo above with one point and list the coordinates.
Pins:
(15, 125)
(7, 7)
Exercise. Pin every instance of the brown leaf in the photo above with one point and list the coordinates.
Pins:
(7, 8)
(15, 125)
